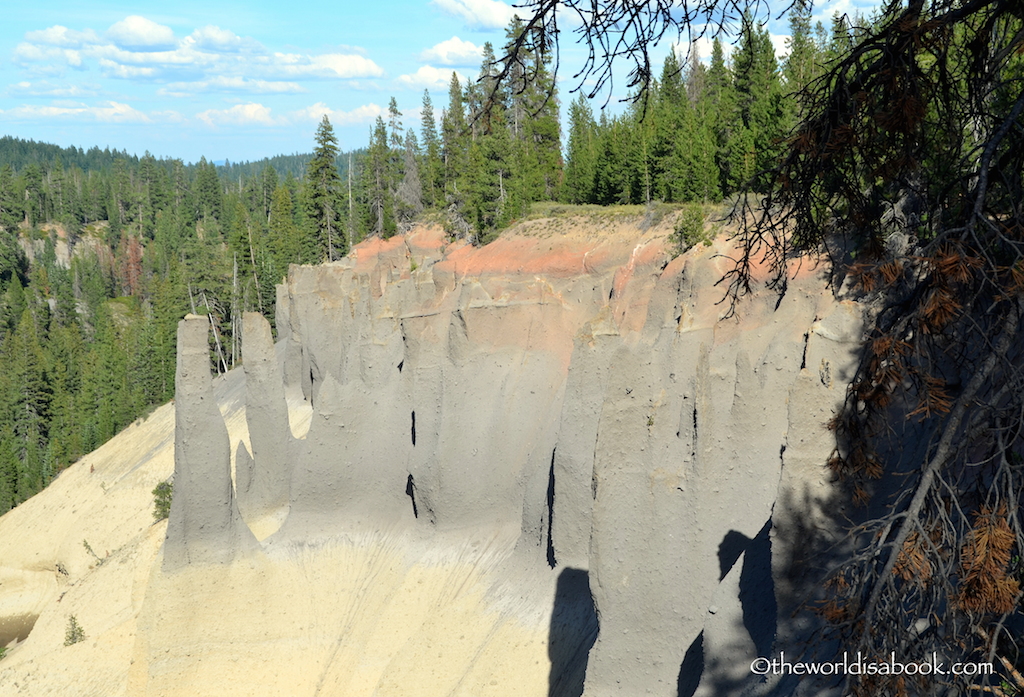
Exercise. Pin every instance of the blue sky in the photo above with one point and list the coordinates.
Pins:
(241, 80)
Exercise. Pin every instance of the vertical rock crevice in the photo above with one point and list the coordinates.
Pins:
(552, 561)
(410, 491)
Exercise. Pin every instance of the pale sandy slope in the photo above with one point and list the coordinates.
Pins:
(372, 615)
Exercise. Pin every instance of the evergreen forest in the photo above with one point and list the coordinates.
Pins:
(102, 252)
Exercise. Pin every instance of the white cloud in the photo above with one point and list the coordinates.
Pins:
(824, 11)
(223, 83)
(58, 35)
(327, 65)
(362, 114)
(210, 58)
(120, 113)
(169, 116)
(430, 77)
(484, 14)
(239, 115)
(125, 72)
(251, 69)
(111, 112)
(48, 89)
(454, 51)
(25, 53)
(779, 43)
(135, 32)
(213, 38)
(179, 57)
(704, 46)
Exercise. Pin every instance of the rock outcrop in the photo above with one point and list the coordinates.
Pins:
(204, 526)
(543, 467)
(264, 490)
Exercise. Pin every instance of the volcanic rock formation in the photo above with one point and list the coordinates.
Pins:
(545, 466)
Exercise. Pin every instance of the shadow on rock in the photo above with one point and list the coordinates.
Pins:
(573, 632)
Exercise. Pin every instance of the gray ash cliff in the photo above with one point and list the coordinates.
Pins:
(581, 399)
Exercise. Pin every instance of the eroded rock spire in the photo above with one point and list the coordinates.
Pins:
(263, 486)
(204, 525)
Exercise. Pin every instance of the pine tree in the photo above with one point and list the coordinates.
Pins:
(841, 40)
(454, 152)
(640, 155)
(718, 108)
(207, 195)
(105, 395)
(481, 99)
(698, 148)
(121, 205)
(325, 193)
(170, 303)
(491, 195)
(35, 197)
(695, 167)
(533, 122)
(502, 174)
(13, 305)
(179, 192)
(56, 191)
(802, 63)
(31, 397)
(581, 158)
(409, 197)
(282, 233)
(247, 245)
(430, 171)
(695, 76)
(670, 112)
(395, 128)
(150, 194)
(377, 186)
(267, 186)
(310, 250)
(11, 210)
(74, 205)
(613, 176)
(760, 105)
(683, 149)
(12, 258)
(9, 466)
(63, 355)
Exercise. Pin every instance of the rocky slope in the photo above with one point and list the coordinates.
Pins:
(540, 467)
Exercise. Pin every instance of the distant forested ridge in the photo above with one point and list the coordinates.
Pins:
(284, 165)
(102, 252)
(19, 154)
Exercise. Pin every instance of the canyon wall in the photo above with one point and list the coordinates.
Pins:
(548, 466)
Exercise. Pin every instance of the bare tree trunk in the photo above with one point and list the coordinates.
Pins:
(350, 201)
